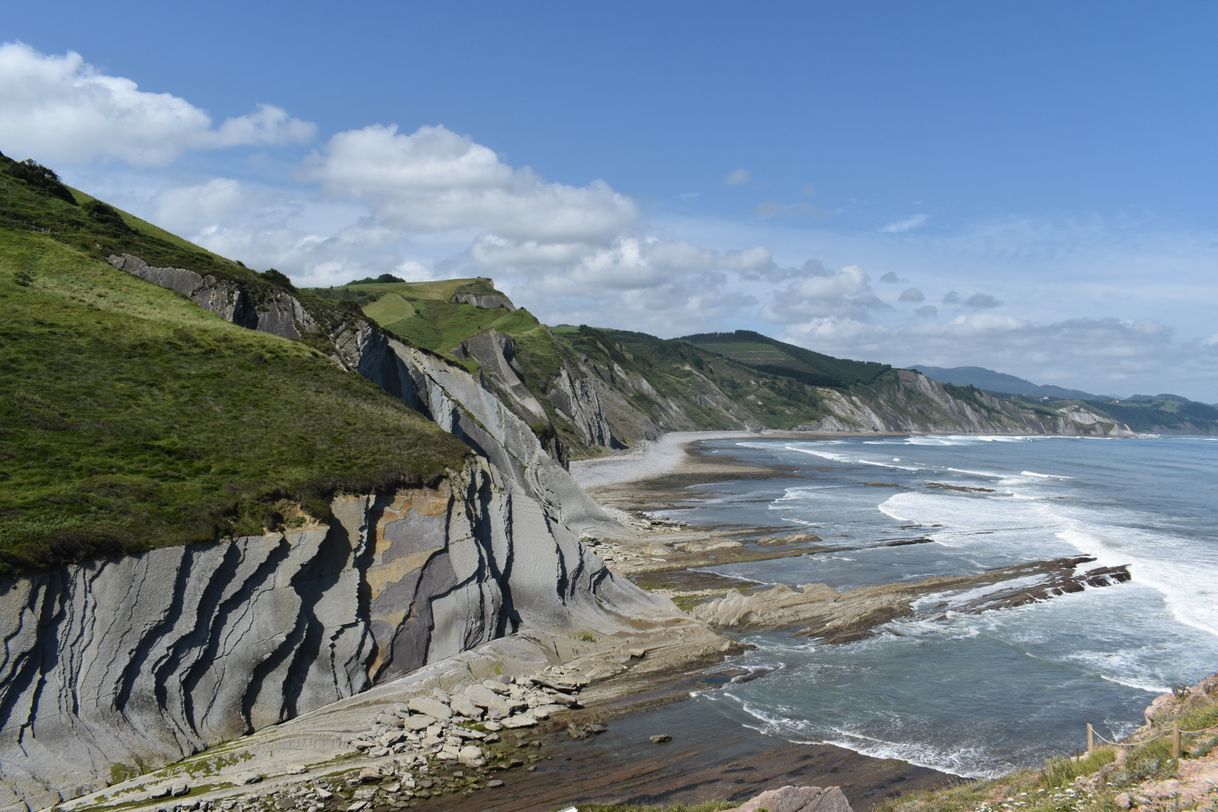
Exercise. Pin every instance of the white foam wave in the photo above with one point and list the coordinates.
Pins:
(967, 762)
(833, 456)
(1036, 475)
(1189, 588)
(983, 474)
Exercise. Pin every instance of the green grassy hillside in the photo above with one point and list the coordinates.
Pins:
(778, 358)
(712, 390)
(130, 418)
(425, 315)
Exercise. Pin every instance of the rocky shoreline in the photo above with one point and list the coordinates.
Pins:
(540, 720)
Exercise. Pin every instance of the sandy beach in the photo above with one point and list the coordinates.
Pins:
(649, 459)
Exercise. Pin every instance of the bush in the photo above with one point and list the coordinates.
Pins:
(41, 178)
(278, 278)
(106, 215)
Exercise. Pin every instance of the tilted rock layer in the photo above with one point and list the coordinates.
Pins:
(145, 659)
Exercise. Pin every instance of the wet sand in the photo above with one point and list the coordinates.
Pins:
(711, 757)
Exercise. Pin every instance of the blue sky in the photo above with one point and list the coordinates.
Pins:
(1026, 186)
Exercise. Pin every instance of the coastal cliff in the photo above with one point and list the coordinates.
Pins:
(134, 662)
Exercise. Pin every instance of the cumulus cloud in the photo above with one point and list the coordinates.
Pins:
(891, 278)
(927, 312)
(951, 298)
(981, 301)
(737, 177)
(911, 295)
(818, 292)
(906, 224)
(61, 109)
(436, 180)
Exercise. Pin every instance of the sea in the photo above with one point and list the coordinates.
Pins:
(977, 694)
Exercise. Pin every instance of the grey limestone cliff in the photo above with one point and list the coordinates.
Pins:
(144, 659)
(141, 660)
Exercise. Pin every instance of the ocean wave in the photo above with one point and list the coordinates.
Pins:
(983, 474)
(1036, 475)
(966, 762)
(1189, 588)
(833, 456)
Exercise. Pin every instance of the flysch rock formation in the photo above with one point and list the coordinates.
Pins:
(148, 658)
(141, 660)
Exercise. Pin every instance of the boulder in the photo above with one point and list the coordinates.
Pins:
(430, 707)
(417, 723)
(520, 720)
(797, 799)
(462, 706)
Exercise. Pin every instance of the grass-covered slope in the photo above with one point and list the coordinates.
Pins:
(776, 357)
(711, 390)
(130, 418)
(426, 315)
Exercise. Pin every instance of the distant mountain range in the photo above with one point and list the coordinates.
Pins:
(1005, 384)
(1165, 413)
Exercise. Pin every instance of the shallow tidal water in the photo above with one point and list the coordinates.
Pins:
(978, 695)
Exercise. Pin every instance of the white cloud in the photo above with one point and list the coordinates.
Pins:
(61, 109)
(817, 292)
(436, 180)
(1212, 341)
(737, 177)
(906, 224)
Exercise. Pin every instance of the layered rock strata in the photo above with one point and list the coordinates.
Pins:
(133, 662)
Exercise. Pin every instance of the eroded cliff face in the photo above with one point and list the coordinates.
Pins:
(915, 403)
(142, 660)
(279, 312)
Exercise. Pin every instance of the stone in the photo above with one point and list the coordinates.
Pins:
(482, 695)
(494, 783)
(248, 778)
(637, 653)
(546, 711)
(661, 738)
(797, 799)
(520, 720)
(430, 706)
(564, 684)
(469, 755)
(418, 722)
(179, 788)
(496, 686)
(492, 726)
(357, 806)
(468, 733)
(462, 706)
(440, 695)
(369, 775)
